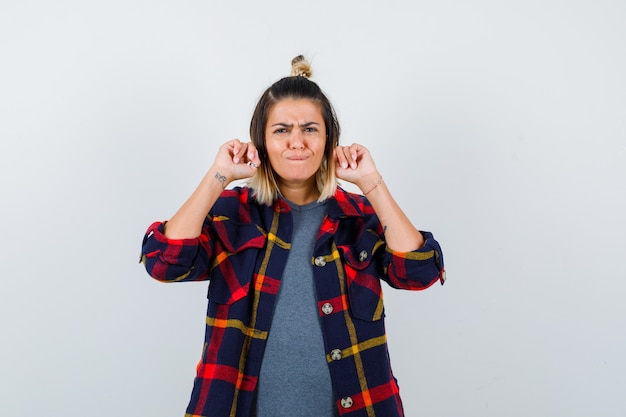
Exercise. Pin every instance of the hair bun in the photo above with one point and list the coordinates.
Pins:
(301, 67)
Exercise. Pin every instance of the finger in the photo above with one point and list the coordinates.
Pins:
(340, 157)
(249, 155)
(236, 149)
(351, 154)
(253, 154)
(255, 158)
(362, 154)
(359, 150)
(242, 152)
(354, 151)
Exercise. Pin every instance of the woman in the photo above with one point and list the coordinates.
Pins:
(295, 315)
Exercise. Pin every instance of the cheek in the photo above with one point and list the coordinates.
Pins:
(271, 151)
(322, 148)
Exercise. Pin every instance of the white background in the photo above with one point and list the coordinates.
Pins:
(500, 126)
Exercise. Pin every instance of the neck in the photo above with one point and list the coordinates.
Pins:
(300, 193)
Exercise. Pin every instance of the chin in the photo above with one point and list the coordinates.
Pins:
(298, 177)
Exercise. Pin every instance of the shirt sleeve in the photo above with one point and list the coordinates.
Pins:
(174, 260)
(418, 269)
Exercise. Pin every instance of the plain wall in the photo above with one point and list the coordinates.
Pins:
(499, 126)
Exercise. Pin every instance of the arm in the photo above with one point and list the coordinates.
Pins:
(235, 160)
(355, 164)
(180, 249)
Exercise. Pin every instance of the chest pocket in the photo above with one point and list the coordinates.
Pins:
(237, 247)
(362, 268)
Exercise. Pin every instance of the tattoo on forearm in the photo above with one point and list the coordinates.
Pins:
(221, 179)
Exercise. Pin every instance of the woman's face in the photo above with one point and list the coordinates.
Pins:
(295, 138)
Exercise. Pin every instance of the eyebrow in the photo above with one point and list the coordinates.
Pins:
(290, 125)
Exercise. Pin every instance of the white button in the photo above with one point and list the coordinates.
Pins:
(320, 261)
(327, 308)
(335, 354)
(363, 255)
(346, 402)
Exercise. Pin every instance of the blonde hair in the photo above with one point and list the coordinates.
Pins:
(297, 86)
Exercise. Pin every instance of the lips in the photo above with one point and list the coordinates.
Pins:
(297, 157)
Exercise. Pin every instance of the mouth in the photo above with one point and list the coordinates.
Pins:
(297, 158)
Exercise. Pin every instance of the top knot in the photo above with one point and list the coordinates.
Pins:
(301, 67)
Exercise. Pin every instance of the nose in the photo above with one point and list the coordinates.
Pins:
(297, 141)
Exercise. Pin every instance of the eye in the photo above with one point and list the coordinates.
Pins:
(310, 129)
(280, 130)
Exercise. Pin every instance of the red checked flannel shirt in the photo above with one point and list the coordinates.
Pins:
(243, 249)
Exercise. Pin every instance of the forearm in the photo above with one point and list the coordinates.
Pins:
(188, 220)
(400, 234)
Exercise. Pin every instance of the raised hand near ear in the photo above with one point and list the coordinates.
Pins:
(354, 163)
(236, 160)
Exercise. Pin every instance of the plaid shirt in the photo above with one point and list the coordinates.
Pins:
(243, 249)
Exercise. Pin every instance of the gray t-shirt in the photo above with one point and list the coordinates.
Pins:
(294, 378)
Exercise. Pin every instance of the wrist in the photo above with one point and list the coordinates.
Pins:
(218, 176)
(221, 179)
(371, 183)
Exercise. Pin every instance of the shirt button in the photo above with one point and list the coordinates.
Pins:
(320, 261)
(327, 308)
(335, 354)
(346, 402)
(363, 255)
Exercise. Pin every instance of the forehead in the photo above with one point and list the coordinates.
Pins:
(296, 110)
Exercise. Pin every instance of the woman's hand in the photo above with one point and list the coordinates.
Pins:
(354, 163)
(236, 160)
